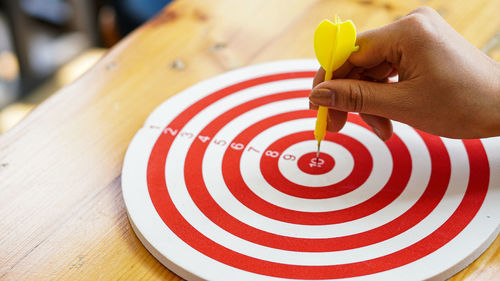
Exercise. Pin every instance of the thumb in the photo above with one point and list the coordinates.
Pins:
(374, 98)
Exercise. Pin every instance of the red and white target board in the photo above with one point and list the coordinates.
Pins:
(222, 183)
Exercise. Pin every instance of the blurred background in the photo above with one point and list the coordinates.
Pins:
(46, 44)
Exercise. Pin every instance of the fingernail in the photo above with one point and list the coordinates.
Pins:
(322, 96)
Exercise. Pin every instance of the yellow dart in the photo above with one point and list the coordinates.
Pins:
(333, 44)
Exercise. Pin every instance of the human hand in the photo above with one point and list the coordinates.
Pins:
(446, 86)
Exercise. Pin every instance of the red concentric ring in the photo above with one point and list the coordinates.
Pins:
(473, 198)
(363, 164)
(240, 190)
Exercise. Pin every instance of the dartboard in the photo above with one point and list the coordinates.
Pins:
(222, 183)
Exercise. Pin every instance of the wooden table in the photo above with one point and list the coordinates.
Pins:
(62, 214)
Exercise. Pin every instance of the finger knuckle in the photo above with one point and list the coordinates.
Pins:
(415, 21)
(419, 24)
(355, 98)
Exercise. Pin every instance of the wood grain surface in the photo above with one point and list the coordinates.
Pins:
(62, 216)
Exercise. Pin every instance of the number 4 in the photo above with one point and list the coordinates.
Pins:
(203, 138)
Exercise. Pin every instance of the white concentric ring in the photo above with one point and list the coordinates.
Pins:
(216, 185)
(196, 218)
(250, 167)
(291, 171)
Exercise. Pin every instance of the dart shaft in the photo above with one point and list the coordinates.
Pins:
(317, 152)
(321, 120)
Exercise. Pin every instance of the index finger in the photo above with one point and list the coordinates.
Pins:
(341, 72)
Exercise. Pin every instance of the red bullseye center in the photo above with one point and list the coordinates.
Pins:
(310, 164)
